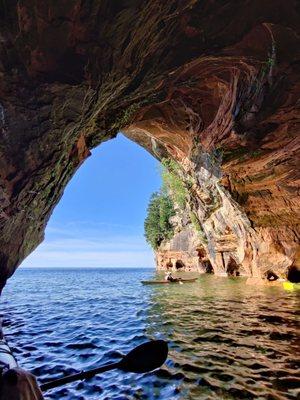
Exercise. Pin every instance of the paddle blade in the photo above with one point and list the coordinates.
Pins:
(146, 357)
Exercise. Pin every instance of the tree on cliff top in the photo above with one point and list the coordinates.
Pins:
(157, 223)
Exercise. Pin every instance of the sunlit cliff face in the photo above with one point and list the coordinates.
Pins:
(211, 85)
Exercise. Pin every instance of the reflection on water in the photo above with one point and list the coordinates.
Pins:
(227, 340)
(230, 340)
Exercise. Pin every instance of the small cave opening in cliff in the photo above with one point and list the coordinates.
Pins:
(169, 265)
(179, 265)
(207, 266)
(99, 221)
(293, 274)
(232, 268)
(201, 253)
(271, 276)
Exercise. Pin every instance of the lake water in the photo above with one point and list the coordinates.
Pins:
(227, 340)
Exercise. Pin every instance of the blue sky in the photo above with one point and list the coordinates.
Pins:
(99, 221)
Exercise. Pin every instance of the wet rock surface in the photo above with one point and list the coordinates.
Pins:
(213, 85)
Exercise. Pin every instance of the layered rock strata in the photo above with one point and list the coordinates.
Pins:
(213, 85)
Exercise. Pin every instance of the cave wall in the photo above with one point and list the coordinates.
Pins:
(213, 85)
(232, 122)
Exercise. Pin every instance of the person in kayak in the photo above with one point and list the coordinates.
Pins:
(169, 277)
(18, 384)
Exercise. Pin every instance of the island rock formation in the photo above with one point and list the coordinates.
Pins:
(213, 85)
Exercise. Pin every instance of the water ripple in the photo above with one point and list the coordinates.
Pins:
(227, 340)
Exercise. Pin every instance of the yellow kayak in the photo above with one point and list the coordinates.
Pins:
(288, 286)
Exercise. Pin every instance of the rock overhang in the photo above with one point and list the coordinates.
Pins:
(212, 86)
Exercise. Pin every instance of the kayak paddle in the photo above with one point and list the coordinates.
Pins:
(144, 358)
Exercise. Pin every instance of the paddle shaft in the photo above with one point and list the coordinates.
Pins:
(79, 376)
(144, 358)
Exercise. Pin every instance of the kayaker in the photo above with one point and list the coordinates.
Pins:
(169, 277)
(17, 384)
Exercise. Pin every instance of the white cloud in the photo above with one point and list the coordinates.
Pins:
(90, 245)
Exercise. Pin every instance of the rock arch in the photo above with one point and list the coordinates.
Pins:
(218, 98)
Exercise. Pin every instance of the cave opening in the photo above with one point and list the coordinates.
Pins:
(99, 221)
(271, 275)
(232, 267)
(179, 265)
(208, 268)
(293, 274)
(201, 253)
(169, 265)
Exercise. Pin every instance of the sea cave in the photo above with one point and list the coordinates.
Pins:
(208, 88)
(216, 95)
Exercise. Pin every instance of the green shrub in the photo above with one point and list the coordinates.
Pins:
(195, 221)
(157, 223)
(197, 226)
(173, 183)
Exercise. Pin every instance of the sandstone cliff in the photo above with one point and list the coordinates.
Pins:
(213, 85)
